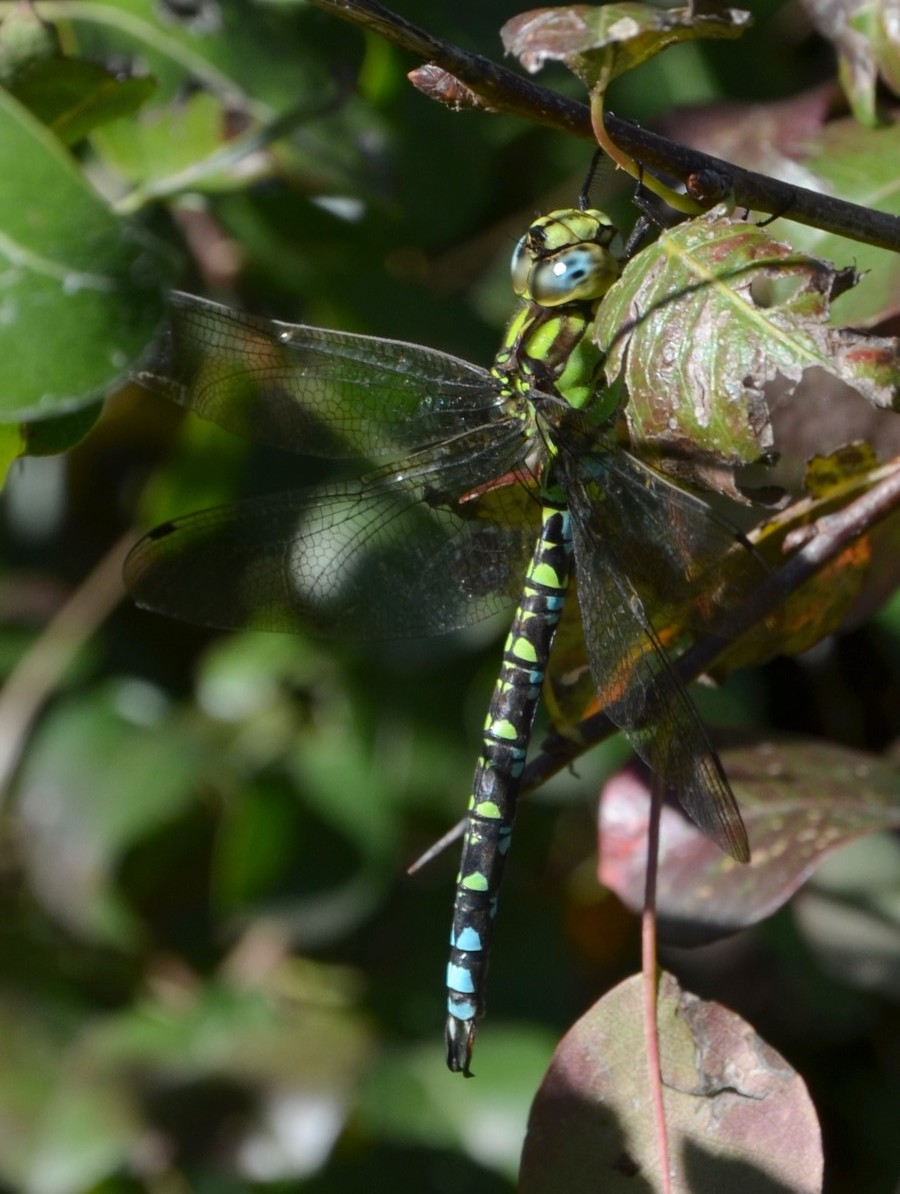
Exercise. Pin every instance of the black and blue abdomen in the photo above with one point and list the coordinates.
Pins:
(507, 731)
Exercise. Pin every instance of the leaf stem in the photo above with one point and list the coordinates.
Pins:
(649, 979)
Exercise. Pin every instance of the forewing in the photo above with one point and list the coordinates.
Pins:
(311, 390)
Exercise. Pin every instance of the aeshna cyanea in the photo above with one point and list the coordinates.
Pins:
(440, 536)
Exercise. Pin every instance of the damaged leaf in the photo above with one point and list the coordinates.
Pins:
(598, 44)
(703, 320)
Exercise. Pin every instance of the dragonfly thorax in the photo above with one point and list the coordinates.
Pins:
(562, 267)
(565, 258)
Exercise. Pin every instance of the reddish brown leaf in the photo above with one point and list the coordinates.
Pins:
(800, 800)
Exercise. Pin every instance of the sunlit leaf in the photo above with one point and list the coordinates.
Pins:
(217, 110)
(857, 164)
(70, 95)
(184, 147)
(800, 800)
(599, 43)
(866, 39)
(850, 587)
(703, 320)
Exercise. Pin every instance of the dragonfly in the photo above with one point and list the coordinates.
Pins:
(485, 488)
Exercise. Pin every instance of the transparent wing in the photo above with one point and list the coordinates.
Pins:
(314, 391)
(390, 555)
(644, 550)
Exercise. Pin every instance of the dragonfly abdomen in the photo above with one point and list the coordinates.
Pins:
(495, 789)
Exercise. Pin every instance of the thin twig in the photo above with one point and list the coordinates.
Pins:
(41, 669)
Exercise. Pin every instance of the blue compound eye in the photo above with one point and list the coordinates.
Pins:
(580, 273)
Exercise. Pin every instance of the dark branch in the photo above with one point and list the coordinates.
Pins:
(498, 89)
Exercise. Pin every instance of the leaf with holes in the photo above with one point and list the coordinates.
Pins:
(702, 320)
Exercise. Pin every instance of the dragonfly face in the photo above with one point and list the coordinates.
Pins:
(564, 258)
(435, 539)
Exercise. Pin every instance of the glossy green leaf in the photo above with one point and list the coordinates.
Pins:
(84, 289)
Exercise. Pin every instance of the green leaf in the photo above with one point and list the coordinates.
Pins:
(84, 289)
(64, 1125)
(50, 437)
(857, 164)
(849, 587)
(864, 34)
(25, 42)
(70, 95)
(850, 914)
(93, 783)
(73, 97)
(408, 1098)
(175, 142)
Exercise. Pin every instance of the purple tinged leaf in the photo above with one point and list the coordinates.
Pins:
(738, 1117)
(801, 799)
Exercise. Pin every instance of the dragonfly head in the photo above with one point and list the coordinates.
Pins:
(564, 257)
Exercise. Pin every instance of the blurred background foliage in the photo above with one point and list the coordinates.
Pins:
(215, 974)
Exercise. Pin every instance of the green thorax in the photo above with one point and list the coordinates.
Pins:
(562, 267)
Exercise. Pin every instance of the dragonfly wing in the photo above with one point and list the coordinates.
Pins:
(633, 537)
(311, 390)
(386, 556)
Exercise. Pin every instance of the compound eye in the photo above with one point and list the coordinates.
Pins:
(583, 272)
(522, 263)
